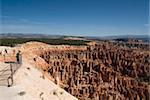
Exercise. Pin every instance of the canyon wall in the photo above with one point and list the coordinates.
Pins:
(101, 72)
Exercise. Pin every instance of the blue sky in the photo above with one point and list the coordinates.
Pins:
(75, 17)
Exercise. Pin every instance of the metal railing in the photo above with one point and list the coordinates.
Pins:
(6, 74)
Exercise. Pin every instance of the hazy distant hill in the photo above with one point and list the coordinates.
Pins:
(22, 35)
(145, 38)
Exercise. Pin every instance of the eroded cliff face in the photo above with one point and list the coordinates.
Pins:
(108, 70)
(27, 81)
(101, 72)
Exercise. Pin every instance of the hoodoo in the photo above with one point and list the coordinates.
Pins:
(103, 71)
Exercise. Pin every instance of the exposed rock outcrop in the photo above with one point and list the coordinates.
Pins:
(105, 70)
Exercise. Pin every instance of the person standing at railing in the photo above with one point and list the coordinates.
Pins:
(19, 57)
(6, 51)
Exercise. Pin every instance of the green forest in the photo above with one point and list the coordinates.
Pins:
(14, 41)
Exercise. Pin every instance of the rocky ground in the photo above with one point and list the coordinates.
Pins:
(63, 72)
(28, 81)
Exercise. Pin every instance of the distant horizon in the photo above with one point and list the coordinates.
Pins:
(74, 35)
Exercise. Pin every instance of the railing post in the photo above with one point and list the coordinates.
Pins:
(10, 78)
